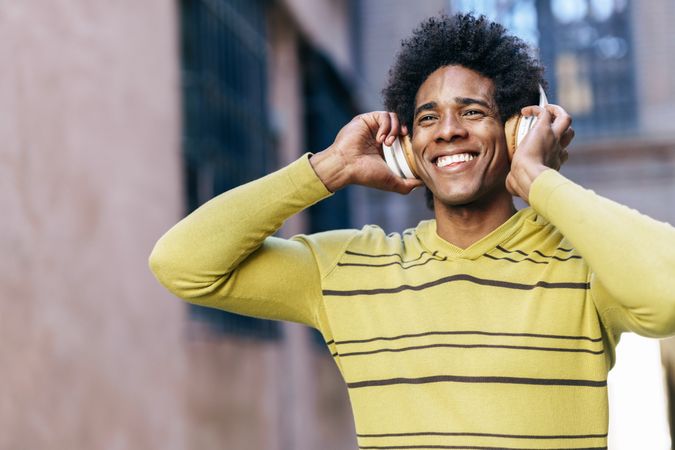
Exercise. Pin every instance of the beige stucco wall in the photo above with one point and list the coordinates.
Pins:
(90, 345)
(326, 23)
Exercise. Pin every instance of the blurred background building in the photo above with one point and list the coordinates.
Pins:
(121, 117)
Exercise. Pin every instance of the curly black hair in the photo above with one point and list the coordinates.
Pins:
(472, 42)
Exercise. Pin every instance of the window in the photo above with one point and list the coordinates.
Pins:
(587, 48)
(328, 107)
(226, 135)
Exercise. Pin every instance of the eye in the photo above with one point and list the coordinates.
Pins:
(426, 118)
(474, 113)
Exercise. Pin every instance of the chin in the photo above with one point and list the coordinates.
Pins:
(457, 194)
(469, 197)
(456, 200)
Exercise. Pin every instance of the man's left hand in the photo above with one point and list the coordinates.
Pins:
(544, 147)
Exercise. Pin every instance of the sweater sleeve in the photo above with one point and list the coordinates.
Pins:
(222, 255)
(630, 255)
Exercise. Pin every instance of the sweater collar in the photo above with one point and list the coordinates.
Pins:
(428, 235)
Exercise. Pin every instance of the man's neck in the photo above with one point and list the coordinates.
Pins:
(463, 225)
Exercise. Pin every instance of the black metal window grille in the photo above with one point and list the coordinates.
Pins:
(226, 134)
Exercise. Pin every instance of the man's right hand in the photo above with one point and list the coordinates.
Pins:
(355, 157)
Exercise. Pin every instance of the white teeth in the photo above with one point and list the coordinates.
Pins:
(447, 160)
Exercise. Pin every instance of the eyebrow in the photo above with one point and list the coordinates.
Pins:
(465, 101)
(425, 107)
(471, 101)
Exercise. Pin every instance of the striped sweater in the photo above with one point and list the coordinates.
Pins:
(502, 345)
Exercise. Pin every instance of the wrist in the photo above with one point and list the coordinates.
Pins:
(523, 175)
(330, 168)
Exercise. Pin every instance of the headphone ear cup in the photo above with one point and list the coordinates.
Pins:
(406, 144)
(390, 159)
(511, 132)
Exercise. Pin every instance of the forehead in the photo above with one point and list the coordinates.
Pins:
(452, 82)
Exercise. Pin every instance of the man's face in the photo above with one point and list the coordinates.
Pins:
(458, 137)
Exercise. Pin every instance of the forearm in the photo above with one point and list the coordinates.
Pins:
(630, 254)
(195, 255)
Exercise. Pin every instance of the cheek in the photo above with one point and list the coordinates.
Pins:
(495, 142)
(418, 142)
(495, 138)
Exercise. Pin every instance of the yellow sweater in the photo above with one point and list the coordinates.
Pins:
(505, 344)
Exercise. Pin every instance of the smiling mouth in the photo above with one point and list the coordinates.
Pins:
(446, 160)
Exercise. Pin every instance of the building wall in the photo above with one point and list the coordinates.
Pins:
(233, 398)
(382, 25)
(326, 24)
(91, 346)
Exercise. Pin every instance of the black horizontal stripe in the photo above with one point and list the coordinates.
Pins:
(392, 263)
(334, 355)
(398, 255)
(509, 347)
(557, 257)
(526, 254)
(486, 379)
(482, 333)
(506, 258)
(473, 447)
(459, 277)
(520, 252)
(498, 435)
(330, 342)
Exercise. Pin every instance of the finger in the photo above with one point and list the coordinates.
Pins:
(406, 185)
(533, 110)
(567, 137)
(389, 181)
(384, 122)
(394, 130)
(543, 116)
(543, 124)
(561, 120)
(564, 156)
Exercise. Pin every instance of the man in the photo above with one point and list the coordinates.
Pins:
(484, 328)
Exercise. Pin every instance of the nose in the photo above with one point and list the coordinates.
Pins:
(450, 128)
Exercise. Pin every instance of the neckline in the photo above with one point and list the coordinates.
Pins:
(427, 233)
